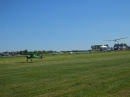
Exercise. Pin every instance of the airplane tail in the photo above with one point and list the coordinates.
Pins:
(35, 56)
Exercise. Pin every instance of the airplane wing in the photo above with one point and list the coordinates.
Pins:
(108, 40)
(117, 39)
(124, 38)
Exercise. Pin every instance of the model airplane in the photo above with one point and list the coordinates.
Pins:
(116, 40)
(30, 56)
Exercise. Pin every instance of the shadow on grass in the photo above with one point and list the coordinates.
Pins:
(26, 62)
(33, 61)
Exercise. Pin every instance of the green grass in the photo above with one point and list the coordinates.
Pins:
(81, 75)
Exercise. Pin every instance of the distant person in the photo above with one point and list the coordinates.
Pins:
(41, 56)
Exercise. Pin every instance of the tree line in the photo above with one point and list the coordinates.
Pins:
(121, 44)
(37, 52)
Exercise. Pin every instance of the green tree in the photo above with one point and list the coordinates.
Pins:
(21, 52)
(44, 52)
(26, 51)
(121, 44)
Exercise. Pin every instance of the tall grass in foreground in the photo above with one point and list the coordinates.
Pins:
(83, 75)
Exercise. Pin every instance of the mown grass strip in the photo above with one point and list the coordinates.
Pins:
(84, 75)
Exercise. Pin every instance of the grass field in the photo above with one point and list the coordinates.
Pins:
(79, 75)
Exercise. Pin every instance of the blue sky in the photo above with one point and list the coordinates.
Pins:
(62, 24)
